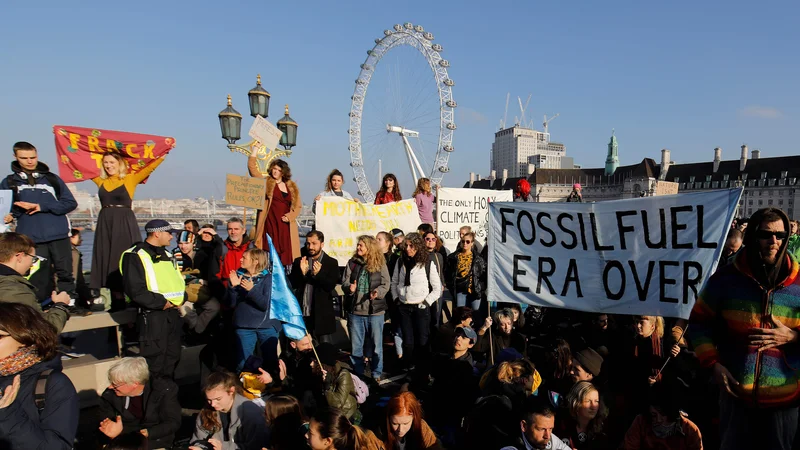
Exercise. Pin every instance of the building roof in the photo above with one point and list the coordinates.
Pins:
(774, 168)
(587, 177)
(754, 168)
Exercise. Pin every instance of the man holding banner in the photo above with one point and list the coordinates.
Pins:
(745, 327)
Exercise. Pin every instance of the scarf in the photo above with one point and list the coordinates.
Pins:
(22, 359)
(668, 430)
(409, 264)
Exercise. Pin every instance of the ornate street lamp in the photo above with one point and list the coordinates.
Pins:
(289, 128)
(230, 122)
(259, 100)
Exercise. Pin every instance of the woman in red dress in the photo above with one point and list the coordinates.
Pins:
(389, 191)
(282, 205)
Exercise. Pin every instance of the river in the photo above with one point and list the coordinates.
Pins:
(88, 243)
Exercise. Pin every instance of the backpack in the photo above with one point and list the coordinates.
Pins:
(49, 176)
(361, 388)
(41, 389)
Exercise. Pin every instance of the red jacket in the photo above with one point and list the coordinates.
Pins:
(232, 257)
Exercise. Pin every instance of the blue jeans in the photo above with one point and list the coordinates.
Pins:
(359, 327)
(461, 300)
(248, 338)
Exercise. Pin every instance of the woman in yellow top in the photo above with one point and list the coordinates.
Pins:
(116, 229)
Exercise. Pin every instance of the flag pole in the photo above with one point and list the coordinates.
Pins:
(670, 356)
(315, 350)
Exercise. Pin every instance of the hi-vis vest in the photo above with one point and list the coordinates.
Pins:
(162, 278)
(34, 268)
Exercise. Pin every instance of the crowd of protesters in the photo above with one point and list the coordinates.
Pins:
(431, 361)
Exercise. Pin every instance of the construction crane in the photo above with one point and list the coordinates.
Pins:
(505, 115)
(547, 121)
(522, 111)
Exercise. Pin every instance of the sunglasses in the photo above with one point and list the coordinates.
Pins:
(466, 242)
(768, 235)
(430, 239)
(36, 258)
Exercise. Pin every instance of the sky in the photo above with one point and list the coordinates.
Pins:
(687, 76)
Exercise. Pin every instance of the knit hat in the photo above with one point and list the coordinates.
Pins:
(397, 232)
(186, 236)
(590, 360)
(576, 186)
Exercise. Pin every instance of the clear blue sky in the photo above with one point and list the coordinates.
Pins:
(688, 76)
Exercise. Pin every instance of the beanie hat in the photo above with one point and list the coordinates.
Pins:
(590, 360)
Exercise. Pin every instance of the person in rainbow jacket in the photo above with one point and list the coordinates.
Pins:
(744, 327)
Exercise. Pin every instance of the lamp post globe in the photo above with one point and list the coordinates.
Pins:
(259, 100)
(230, 123)
(289, 128)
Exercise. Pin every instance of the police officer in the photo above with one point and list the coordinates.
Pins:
(152, 280)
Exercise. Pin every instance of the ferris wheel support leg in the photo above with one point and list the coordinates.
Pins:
(413, 162)
(410, 162)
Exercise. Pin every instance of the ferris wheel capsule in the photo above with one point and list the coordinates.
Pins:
(409, 26)
(437, 47)
(419, 28)
(451, 103)
(428, 36)
(398, 27)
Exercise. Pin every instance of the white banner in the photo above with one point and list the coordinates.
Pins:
(343, 221)
(647, 256)
(457, 207)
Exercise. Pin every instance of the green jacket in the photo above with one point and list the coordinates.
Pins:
(14, 288)
(340, 392)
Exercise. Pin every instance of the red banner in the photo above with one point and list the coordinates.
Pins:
(80, 150)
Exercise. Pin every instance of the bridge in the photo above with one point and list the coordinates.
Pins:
(88, 221)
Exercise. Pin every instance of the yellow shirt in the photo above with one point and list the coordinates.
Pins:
(130, 181)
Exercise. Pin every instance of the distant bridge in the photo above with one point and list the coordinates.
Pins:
(87, 220)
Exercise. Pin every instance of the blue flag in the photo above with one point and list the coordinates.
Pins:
(284, 306)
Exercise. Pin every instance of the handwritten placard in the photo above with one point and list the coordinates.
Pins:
(245, 191)
(265, 133)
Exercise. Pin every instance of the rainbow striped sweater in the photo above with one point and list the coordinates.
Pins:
(731, 304)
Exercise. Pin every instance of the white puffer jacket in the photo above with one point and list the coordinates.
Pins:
(418, 291)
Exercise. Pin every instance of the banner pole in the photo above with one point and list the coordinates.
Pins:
(244, 217)
(491, 347)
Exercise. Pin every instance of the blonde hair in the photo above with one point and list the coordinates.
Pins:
(123, 166)
(575, 399)
(658, 322)
(423, 186)
(129, 370)
(259, 256)
(374, 259)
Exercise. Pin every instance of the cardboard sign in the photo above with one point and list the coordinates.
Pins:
(666, 188)
(245, 191)
(266, 133)
(648, 256)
